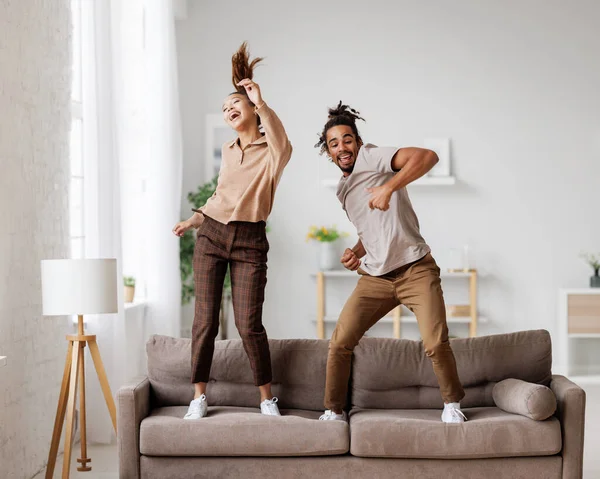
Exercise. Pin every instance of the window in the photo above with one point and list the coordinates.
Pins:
(92, 60)
(133, 143)
(77, 232)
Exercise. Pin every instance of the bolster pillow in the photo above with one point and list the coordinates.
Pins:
(527, 399)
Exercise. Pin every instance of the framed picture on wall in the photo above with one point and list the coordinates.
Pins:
(217, 133)
(442, 147)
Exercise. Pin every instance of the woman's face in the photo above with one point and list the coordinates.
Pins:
(238, 112)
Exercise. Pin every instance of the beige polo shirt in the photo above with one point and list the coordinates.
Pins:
(391, 238)
(248, 178)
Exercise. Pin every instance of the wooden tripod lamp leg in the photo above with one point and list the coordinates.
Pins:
(83, 460)
(95, 352)
(60, 414)
(71, 409)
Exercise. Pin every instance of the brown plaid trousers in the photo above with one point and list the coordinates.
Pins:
(243, 246)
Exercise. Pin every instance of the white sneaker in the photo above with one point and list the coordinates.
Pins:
(198, 408)
(452, 413)
(331, 416)
(269, 407)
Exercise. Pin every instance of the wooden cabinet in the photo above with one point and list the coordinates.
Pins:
(579, 320)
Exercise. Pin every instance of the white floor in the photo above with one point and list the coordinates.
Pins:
(104, 464)
(104, 458)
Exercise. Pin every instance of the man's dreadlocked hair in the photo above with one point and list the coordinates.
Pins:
(340, 115)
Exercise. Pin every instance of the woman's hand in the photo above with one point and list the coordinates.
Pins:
(253, 91)
(182, 227)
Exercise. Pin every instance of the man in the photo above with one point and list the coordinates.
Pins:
(396, 265)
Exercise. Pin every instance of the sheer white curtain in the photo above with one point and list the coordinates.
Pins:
(133, 180)
(165, 167)
(102, 204)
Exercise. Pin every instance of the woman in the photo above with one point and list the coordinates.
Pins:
(231, 231)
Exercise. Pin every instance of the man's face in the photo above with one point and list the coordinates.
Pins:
(342, 147)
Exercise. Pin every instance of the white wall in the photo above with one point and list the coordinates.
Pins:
(34, 182)
(514, 84)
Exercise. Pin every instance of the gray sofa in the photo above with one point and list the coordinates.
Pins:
(394, 428)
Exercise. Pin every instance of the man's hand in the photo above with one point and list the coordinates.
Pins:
(253, 91)
(380, 197)
(350, 260)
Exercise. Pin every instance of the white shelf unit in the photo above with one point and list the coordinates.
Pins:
(578, 319)
(344, 273)
(396, 317)
(423, 181)
(412, 319)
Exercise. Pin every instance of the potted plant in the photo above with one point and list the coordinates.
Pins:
(594, 261)
(327, 237)
(129, 283)
(186, 255)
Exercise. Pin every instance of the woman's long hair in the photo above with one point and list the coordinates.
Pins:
(242, 67)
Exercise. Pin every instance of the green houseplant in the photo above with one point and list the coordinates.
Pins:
(129, 292)
(186, 245)
(187, 242)
(198, 199)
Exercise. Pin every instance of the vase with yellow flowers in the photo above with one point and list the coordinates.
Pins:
(329, 245)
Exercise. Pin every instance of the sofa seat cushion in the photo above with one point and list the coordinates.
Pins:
(241, 431)
(420, 433)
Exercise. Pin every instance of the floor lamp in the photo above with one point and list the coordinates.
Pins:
(78, 286)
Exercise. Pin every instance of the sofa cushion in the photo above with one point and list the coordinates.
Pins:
(237, 431)
(520, 397)
(299, 367)
(396, 374)
(420, 433)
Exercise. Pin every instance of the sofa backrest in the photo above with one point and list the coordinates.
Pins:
(395, 373)
(298, 373)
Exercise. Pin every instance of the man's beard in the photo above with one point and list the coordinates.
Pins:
(347, 169)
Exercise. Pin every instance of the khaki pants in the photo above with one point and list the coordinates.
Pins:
(416, 285)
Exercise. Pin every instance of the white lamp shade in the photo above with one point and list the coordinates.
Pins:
(79, 286)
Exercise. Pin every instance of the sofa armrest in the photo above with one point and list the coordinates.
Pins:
(133, 405)
(571, 413)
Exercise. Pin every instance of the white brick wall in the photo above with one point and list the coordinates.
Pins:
(35, 82)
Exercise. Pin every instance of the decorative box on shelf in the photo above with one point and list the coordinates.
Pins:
(460, 313)
(579, 319)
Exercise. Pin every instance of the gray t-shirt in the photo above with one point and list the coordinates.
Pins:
(391, 238)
